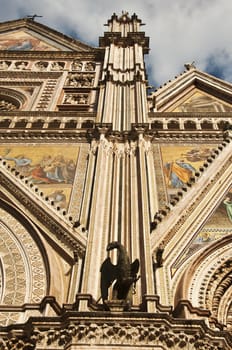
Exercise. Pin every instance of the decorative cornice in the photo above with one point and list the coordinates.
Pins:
(189, 115)
(47, 114)
(130, 40)
(96, 54)
(18, 135)
(22, 75)
(117, 329)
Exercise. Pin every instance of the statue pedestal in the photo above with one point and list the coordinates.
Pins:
(117, 305)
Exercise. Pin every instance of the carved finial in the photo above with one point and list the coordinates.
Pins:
(189, 66)
(125, 15)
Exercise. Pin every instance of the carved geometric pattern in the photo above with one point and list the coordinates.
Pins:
(211, 284)
(219, 292)
(79, 181)
(23, 276)
(162, 193)
(46, 95)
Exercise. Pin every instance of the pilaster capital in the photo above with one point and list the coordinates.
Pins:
(145, 143)
(93, 147)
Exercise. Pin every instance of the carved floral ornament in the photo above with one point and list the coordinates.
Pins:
(136, 334)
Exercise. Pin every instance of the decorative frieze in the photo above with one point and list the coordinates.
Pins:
(76, 65)
(156, 334)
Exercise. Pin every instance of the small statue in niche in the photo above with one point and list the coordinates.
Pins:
(90, 66)
(159, 255)
(57, 66)
(21, 65)
(77, 65)
(41, 65)
(4, 65)
(124, 274)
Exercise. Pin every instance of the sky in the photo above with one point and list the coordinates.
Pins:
(180, 31)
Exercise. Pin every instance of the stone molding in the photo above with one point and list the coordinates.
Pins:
(23, 268)
(124, 329)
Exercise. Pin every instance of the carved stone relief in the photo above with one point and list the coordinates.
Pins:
(4, 65)
(26, 65)
(41, 65)
(85, 66)
(22, 65)
(7, 105)
(80, 80)
(142, 336)
(213, 272)
(57, 65)
(76, 99)
(77, 65)
(23, 275)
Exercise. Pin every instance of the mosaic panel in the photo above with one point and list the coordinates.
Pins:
(218, 226)
(180, 163)
(51, 167)
(22, 41)
(200, 102)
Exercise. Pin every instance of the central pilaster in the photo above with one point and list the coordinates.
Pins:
(120, 207)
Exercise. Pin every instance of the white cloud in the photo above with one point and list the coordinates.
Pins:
(180, 31)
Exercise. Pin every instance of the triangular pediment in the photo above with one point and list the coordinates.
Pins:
(194, 92)
(28, 35)
(198, 101)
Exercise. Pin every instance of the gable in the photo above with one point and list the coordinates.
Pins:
(28, 35)
(21, 40)
(194, 92)
(198, 101)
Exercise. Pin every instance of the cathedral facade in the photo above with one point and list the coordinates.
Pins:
(115, 200)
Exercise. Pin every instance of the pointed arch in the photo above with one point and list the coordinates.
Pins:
(207, 281)
(24, 264)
